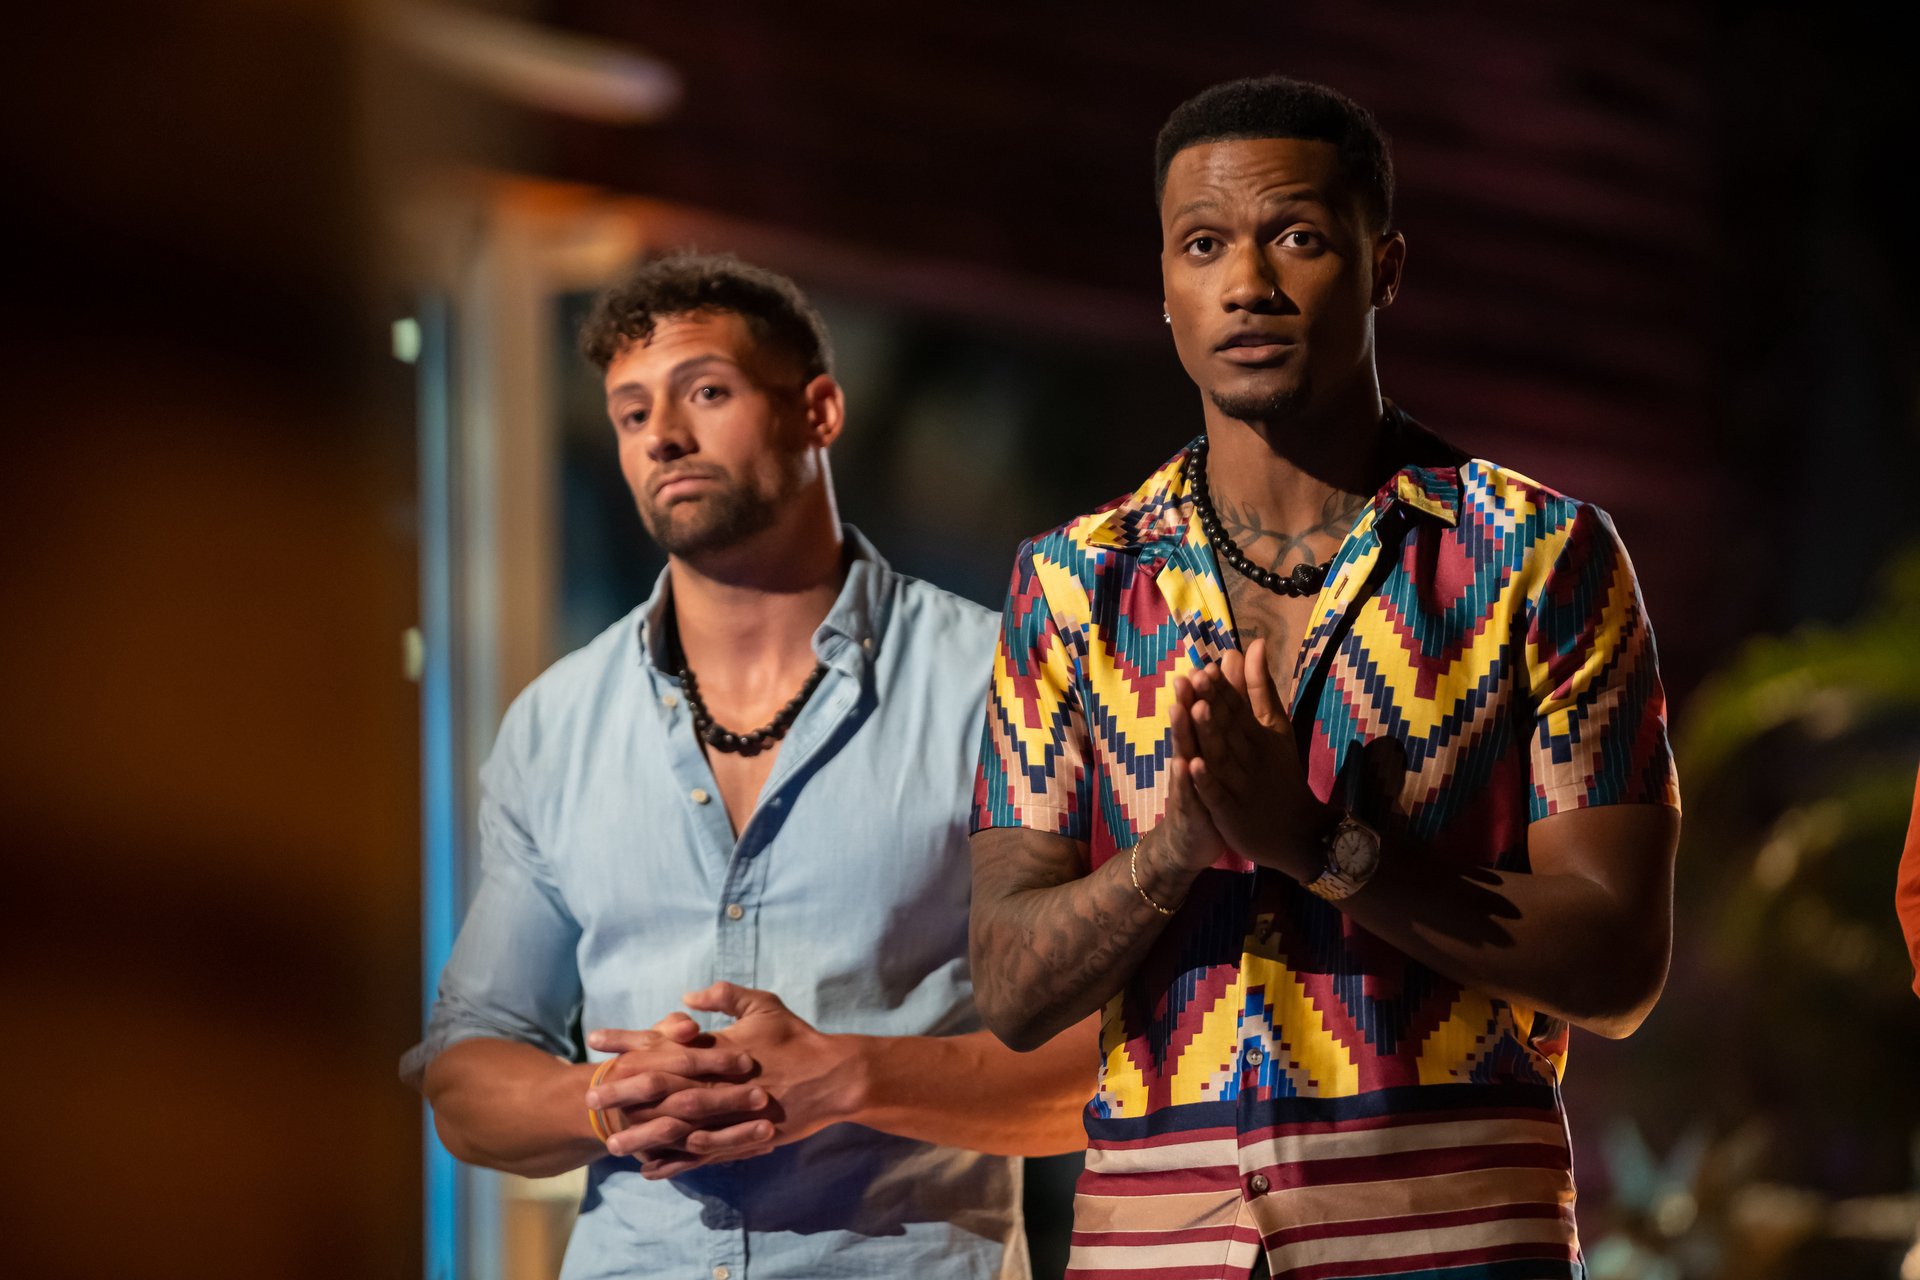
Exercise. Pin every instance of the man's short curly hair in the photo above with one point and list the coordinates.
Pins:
(687, 283)
(1282, 107)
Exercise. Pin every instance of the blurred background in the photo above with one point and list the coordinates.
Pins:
(302, 482)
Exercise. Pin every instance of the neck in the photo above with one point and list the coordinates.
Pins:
(746, 615)
(1295, 473)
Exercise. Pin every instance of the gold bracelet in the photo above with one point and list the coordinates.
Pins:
(595, 1117)
(1133, 873)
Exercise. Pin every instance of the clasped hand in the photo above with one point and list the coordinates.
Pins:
(1234, 747)
(679, 1098)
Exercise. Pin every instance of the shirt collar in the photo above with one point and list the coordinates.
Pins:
(1156, 516)
(852, 629)
(1428, 481)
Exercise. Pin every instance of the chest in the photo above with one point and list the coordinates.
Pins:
(1282, 621)
(840, 877)
(1417, 653)
(740, 779)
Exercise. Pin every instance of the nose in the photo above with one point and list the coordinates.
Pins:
(1251, 283)
(667, 437)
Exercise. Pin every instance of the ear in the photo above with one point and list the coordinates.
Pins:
(826, 410)
(1389, 261)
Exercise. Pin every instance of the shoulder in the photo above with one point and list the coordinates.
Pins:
(1075, 542)
(1553, 544)
(1489, 487)
(1143, 524)
(1529, 515)
(930, 615)
(1065, 564)
(574, 694)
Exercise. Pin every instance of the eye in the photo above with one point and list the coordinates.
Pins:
(1300, 238)
(1201, 246)
(710, 393)
(631, 420)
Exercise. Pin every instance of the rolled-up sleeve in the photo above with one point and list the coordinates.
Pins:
(513, 974)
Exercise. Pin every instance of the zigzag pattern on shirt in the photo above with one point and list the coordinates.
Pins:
(1488, 625)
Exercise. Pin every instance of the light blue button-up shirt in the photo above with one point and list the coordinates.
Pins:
(612, 884)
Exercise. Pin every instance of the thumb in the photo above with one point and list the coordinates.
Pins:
(1234, 666)
(1262, 694)
(678, 1027)
(731, 999)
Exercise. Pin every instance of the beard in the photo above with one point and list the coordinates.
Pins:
(1272, 406)
(715, 521)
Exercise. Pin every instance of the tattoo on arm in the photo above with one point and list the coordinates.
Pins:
(1050, 944)
(1245, 526)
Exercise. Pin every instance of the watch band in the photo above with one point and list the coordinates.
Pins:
(1334, 883)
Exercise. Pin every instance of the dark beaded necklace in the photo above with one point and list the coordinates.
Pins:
(1305, 580)
(746, 744)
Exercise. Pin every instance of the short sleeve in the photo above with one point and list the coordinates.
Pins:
(1034, 749)
(513, 974)
(1599, 732)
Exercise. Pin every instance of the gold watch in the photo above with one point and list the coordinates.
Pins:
(1352, 852)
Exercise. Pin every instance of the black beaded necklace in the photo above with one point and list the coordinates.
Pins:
(746, 744)
(1305, 580)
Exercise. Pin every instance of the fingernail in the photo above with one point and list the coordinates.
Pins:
(743, 1063)
(757, 1098)
(593, 1100)
(763, 1130)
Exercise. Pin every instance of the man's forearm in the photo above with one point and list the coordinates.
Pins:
(511, 1106)
(971, 1091)
(1561, 944)
(1045, 955)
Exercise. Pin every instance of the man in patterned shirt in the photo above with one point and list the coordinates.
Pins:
(1330, 763)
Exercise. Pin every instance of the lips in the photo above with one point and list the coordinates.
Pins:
(1254, 338)
(664, 485)
(1253, 346)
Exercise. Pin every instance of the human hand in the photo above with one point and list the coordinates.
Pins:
(1186, 840)
(677, 1099)
(812, 1079)
(1248, 771)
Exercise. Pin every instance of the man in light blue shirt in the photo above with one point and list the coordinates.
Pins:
(750, 795)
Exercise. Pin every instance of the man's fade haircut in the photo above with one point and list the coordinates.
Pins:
(1282, 107)
(685, 283)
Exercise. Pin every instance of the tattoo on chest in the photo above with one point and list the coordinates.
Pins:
(1259, 614)
(1273, 547)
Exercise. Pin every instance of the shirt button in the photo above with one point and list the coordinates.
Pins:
(866, 642)
(1254, 1055)
(700, 795)
(669, 699)
(721, 1273)
(735, 911)
(1258, 1182)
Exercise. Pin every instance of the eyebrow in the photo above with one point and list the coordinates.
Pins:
(1303, 195)
(678, 374)
(1194, 206)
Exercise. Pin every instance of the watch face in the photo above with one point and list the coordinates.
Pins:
(1355, 850)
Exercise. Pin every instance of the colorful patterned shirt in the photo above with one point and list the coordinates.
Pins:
(1272, 1074)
